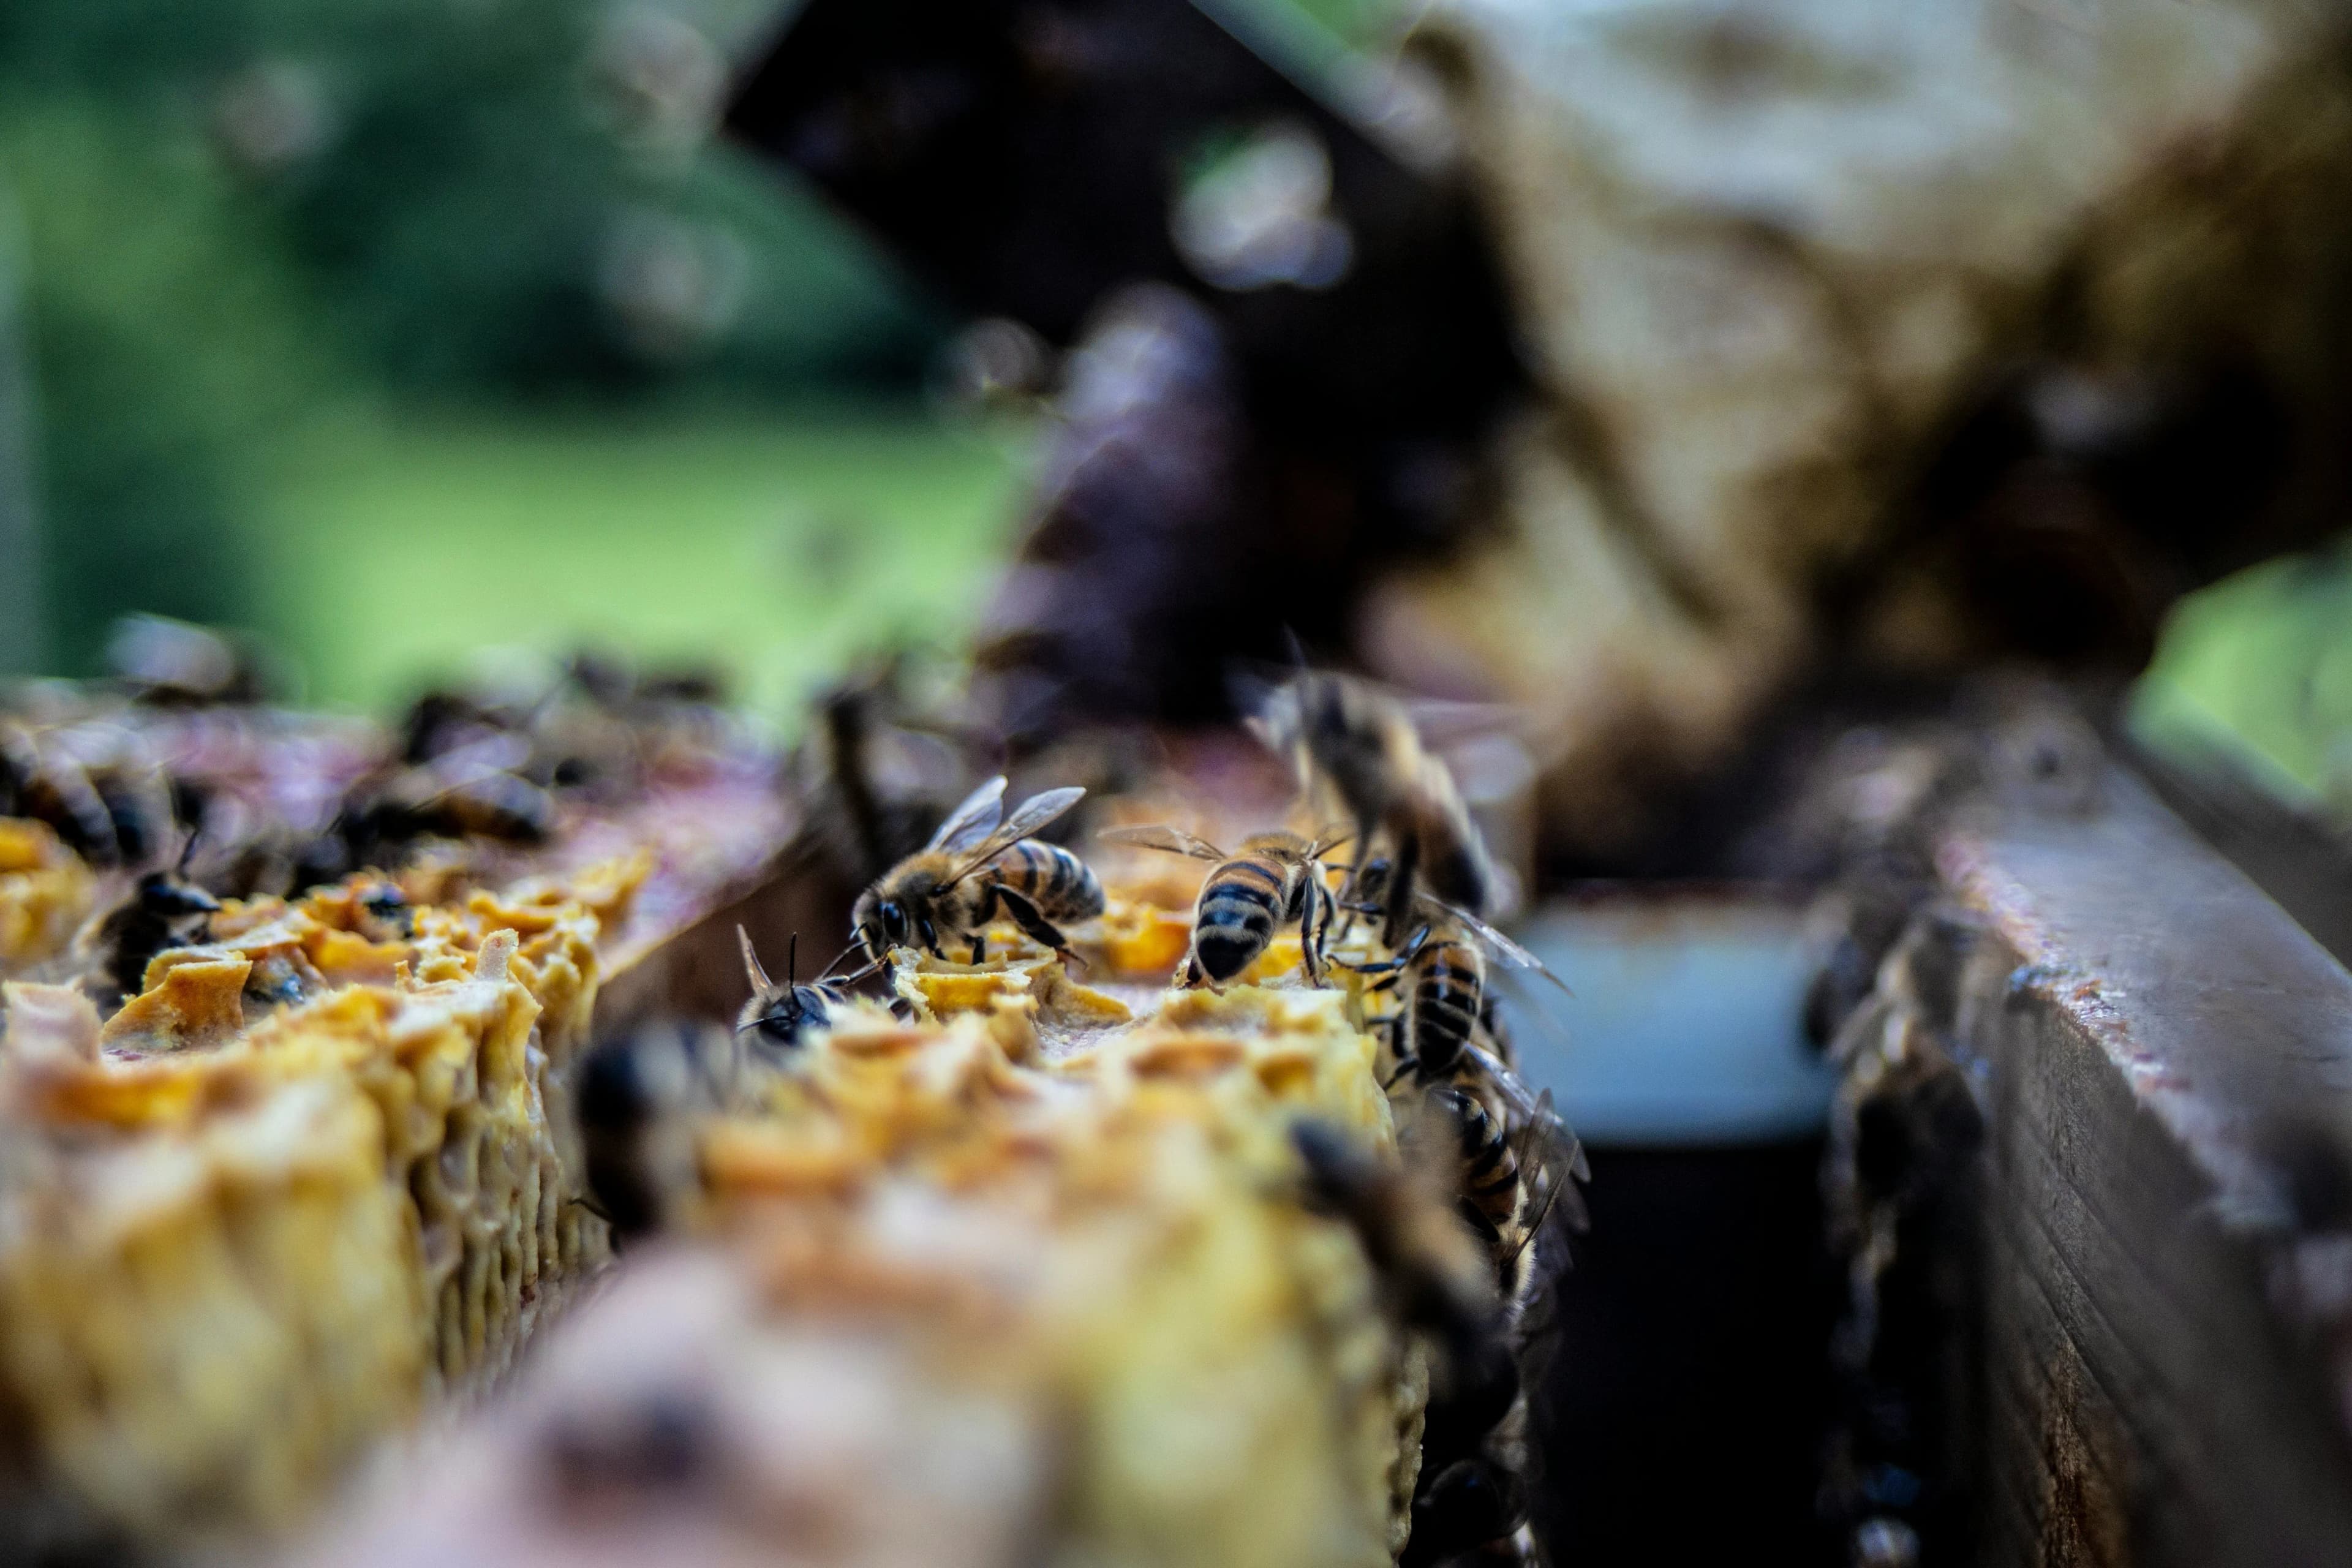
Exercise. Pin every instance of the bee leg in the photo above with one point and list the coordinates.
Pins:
(930, 935)
(1356, 861)
(1400, 889)
(979, 949)
(1313, 924)
(1323, 928)
(1039, 928)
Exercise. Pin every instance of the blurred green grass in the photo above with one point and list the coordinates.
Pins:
(2262, 663)
(781, 543)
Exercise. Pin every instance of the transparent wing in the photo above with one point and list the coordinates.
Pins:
(1551, 1156)
(1444, 723)
(1034, 814)
(1160, 835)
(1508, 1084)
(970, 823)
(1503, 947)
(1552, 1161)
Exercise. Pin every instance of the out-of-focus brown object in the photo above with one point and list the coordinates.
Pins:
(1147, 565)
(1871, 344)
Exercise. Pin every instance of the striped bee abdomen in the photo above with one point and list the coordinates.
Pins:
(1448, 988)
(1241, 904)
(1490, 1172)
(1063, 887)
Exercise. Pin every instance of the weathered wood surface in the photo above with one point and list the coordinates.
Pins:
(2167, 1286)
(2302, 862)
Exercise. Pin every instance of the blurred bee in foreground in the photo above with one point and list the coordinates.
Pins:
(777, 1014)
(640, 1098)
(385, 816)
(978, 862)
(1273, 880)
(165, 663)
(1362, 743)
(1473, 1490)
(113, 808)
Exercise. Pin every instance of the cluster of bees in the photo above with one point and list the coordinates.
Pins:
(152, 786)
(1451, 1227)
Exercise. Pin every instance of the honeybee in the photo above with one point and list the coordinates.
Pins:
(111, 809)
(162, 912)
(1428, 1267)
(1476, 1505)
(172, 664)
(1471, 1491)
(1362, 741)
(1518, 1157)
(640, 1098)
(1490, 1167)
(384, 814)
(972, 867)
(1441, 969)
(776, 1014)
(493, 804)
(1273, 880)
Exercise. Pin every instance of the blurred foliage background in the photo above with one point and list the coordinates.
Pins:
(392, 328)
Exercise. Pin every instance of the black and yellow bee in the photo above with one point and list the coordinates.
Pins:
(1273, 880)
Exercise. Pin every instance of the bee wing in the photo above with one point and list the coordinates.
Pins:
(1445, 724)
(1254, 686)
(1551, 1161)
(972, 821)
(1508, 1083)
(1034, 814)
(1530, 1110)
(1159, 836)
(1501, 946)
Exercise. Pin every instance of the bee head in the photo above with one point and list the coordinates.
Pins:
(791, 1010)
(164, 894)
(882, 923)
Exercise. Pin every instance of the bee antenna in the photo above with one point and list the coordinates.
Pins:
(188, 849)
(792, 960)
(826, 973)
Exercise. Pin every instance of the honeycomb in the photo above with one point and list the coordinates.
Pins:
(307, 1182)
(45, 894)
(1017, 1272)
